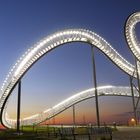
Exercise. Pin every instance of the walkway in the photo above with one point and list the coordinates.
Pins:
(127, 133)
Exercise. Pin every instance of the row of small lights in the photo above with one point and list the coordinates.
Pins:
(23, 61)
(64, 105)
(131, 35)
(108, 90)
(26, 57)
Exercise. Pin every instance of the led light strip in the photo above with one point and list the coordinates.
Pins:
(86, 94)
(44, 46)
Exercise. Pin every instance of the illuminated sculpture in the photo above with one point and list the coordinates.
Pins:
(50, 42)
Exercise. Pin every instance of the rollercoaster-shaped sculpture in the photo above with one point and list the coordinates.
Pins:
(49, 43)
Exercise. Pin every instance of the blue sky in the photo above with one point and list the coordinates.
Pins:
(67, 69)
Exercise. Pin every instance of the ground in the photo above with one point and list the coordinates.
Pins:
(127, 133)
(41, 133)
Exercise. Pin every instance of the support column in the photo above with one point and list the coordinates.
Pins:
(73, 107)
(18, 107)
(138, 81)
(133, 99)
(54, 120)
(95, 86)
(138, 78)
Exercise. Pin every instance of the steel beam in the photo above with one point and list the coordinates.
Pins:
(95, 86)
(138, 81)
(133, 99)
(73, 109)
(18, 107)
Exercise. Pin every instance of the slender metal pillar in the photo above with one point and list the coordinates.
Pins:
(18, 107)
(73, 107)
(53, 120)
(133, 99)
(95, 86)
(138, 78)
(138, 81)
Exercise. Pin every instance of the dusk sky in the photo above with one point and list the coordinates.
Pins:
(67, 69)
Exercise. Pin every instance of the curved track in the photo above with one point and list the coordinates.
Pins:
(76, 98)
(72, 35)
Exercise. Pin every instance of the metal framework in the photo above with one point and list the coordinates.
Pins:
(65, 104)
(49, 43)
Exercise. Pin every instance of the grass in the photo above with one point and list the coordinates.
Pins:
(41, 133)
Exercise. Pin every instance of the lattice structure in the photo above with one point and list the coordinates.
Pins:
(49, 43)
